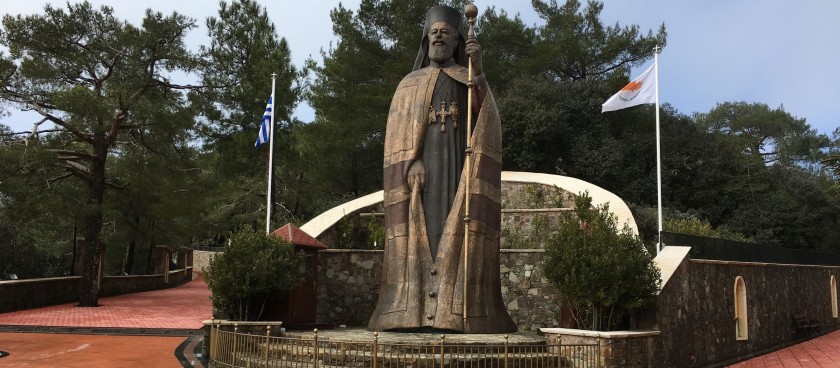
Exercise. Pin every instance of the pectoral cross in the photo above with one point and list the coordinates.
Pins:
(452, 113)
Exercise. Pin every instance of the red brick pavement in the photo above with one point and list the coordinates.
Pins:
(822, 352)
(183, 307)
(88, 351)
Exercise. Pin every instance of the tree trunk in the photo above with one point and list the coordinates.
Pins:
(89, 293)
(128, 267)
(128, 264)
(262, 308)
(150, 267)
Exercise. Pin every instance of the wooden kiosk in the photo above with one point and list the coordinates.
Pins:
(299, 308)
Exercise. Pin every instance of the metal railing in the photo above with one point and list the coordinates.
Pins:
(235, 349)
(729, 250)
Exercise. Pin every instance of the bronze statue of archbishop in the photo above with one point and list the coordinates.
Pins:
(422, 284)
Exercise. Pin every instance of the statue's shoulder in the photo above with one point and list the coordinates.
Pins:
(416, 75)
(457, 72)
(415, 78)
(457, 68)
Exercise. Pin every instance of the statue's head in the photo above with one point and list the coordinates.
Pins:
(443, 37)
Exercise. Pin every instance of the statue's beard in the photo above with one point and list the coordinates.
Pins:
(440, 53)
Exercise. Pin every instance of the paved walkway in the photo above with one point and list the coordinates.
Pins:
(183, 307)
(822, 352)
(79, 343)
(59, 350)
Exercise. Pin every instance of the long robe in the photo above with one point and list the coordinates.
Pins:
(419, 290)
(443, 156)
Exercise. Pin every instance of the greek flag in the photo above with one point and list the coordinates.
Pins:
(265, 126)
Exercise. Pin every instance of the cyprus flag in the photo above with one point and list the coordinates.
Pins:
(640, 90)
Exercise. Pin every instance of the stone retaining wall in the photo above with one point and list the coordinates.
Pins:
(624, 349)
(695, 310)
(531, 300)
(201, 260)
(348, 286)
(35, 293)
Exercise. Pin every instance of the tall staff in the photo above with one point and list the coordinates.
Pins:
(470, 11)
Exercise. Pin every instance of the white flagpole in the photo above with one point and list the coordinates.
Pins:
(270, 161)
(658, 152)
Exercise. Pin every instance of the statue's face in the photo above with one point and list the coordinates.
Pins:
(442, 41)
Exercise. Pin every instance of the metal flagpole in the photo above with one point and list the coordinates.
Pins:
(656, 51)
(470, 11)
(270, 160)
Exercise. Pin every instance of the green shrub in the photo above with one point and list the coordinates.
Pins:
(681, 222)
(376, 233)
(698, 227)
(254, 267)
(602, 273)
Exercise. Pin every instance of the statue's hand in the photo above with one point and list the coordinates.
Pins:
(474, 51)
(416, 176)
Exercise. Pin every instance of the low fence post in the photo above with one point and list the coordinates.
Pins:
(222, 340)
(599, 356)
(506, 351)
(315, 349)
(267, 338)
(212, 338)
(442, 351)
(235, 343)
(374, 353)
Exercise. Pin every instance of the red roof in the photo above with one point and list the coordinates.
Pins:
(299, 238)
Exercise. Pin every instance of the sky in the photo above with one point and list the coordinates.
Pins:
(777, 52)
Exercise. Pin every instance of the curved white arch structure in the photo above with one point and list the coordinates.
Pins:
(327, 219)
(324, 221)
(599, 195)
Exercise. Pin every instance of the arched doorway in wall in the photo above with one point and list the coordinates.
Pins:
(833, 296)
(741, 325)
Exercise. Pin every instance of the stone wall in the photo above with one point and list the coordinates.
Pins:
(529, 213)
(35, 293)
(116, 285)
(201, 260)
(348, 286)
(534, 196)
(531, 301)
(624, 349)
(695, 310)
